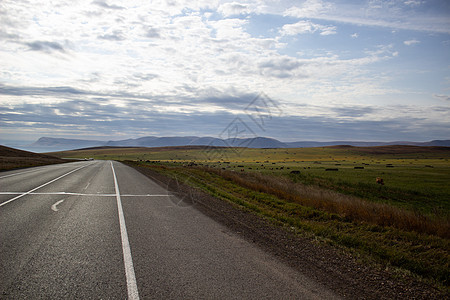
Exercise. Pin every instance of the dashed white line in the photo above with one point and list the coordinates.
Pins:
(54, 208)
(128, 261)
(53, 180)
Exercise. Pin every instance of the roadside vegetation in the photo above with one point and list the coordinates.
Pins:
(329, 194)
(416, 178)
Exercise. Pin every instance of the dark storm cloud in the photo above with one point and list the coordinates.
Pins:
(36, 91)
(138, 115)
(45, 46)
(230, 102)
(353, 111)
(67, 92)
(330, 129)
(106, 119)
(70, 93)
(140, 119)
(442, 97)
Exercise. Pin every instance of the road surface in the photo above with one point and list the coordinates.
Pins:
(102, 230)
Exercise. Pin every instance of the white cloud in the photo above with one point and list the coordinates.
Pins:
(413, 2)
(411, 42)
(230, 28)
(308, 9)
(234, 8)
(165, 56)
(303, 27)
(389, 14)
(298, 28)
(327, 30)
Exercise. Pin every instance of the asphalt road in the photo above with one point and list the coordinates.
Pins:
(102, 230)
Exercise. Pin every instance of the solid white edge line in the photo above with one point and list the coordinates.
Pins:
(128, 261)
(30, 191)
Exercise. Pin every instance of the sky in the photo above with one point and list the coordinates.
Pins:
(375, 70)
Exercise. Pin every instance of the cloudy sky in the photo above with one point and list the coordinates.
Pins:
(375, 70)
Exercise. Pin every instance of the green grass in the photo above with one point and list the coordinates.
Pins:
(404, 223)
(413, 188)
(422, 254)
(418, 181)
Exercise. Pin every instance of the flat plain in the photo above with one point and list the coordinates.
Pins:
(415, 177)
(327, 194)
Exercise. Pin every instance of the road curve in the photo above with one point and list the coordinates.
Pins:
(100, 229)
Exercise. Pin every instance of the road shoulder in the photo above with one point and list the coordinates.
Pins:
(335, 269)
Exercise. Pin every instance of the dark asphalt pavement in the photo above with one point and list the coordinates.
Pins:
(102, 230)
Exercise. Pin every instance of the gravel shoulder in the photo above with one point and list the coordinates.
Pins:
(337, 270)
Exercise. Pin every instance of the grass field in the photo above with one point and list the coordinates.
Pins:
(416, 178)
(331, 196)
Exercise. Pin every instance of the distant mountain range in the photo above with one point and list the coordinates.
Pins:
(48, 144)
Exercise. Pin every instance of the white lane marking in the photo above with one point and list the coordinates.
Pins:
(54, 208)
(128, 261)
(30, 191)
(81, 194)
(59, 193)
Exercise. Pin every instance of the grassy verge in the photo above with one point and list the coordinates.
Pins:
(416, 178)
(379, 232)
